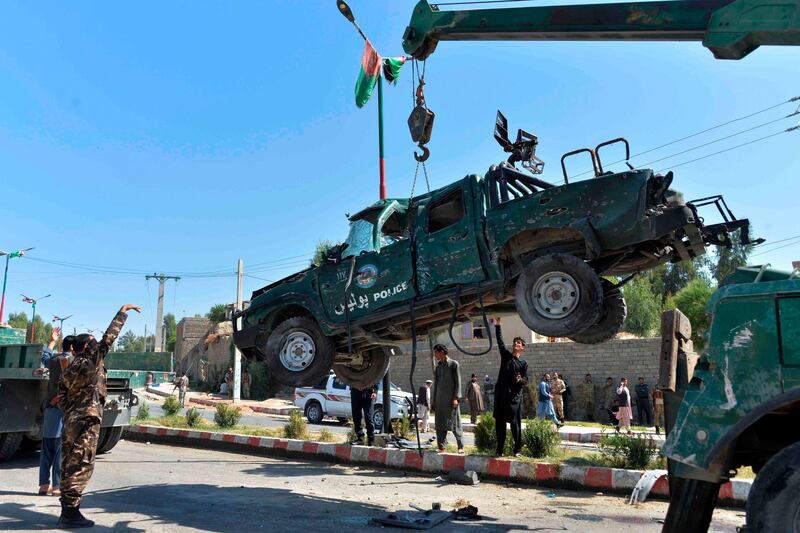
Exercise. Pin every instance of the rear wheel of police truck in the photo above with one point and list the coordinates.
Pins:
(367, 370)
(559, 295)
(298, 353)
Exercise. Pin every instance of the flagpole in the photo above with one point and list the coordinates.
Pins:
(382, 190)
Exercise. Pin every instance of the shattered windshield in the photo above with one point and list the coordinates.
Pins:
(360, 238)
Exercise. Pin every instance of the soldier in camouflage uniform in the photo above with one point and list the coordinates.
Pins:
(82, 393)
(586, 391)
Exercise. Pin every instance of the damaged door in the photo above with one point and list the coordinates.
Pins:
(379, 252)
(446, 235)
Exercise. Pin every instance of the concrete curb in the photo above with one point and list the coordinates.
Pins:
(591, 478)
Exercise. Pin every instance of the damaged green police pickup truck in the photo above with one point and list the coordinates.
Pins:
(504, 240)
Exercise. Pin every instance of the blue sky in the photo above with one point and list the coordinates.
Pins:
(177, 137)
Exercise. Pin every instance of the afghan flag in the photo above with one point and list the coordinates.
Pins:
(392, 67)
(370, 70)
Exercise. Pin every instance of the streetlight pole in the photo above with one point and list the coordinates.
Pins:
(347, 13)
(61, 322)
(9, 255)
(32, 301)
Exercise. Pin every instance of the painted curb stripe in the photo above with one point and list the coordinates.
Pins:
(591, 477)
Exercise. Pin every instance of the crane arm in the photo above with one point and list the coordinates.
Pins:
(731, 29)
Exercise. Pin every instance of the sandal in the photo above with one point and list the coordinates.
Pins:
(43, 490)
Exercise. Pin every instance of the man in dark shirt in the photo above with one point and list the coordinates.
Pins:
(643, 407)
(511, 378)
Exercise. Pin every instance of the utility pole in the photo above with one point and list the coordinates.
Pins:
(160, 313)
(237, 355)
(9, 255)
(145, 338)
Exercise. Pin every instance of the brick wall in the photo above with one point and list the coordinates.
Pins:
(189, 332)
(617, 358)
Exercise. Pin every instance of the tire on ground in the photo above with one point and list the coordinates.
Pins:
(9, 443)
(774, 500)
(612, 317)
(559, 295)
(376, 362)
(314, 412)
(298, 354)
(109, 437)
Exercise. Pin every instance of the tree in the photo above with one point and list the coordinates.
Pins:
(18, 320)
(217, 313)
(643, 307)
(321, 251)
(131, 342)
(692, 301)
(729, 259)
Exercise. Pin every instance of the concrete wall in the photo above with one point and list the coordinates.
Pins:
(617, 358)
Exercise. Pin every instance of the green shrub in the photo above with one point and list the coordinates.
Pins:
(227, 416)
(402, 427)
(626, 451)
(351, 433)
(486, 437)
(325, 435)
(297, 427)
(144, 412)
(193, 417)
(171, 406)
(540, 437)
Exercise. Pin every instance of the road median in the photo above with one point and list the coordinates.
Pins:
(578, 477)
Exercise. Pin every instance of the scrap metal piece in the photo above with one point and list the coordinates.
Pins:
(645, 485)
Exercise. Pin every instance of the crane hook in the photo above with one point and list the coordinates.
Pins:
(425, 154)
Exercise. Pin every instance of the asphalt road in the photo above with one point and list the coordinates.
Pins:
(141, 487)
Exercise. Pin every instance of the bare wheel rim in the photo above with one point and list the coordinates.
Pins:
(298, 351)
(377, 418)
(555, 295)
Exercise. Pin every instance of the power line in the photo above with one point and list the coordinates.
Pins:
(778, 248)
(738, 119)
(793, 128)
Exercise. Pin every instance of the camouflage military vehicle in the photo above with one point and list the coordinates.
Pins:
(506, 240)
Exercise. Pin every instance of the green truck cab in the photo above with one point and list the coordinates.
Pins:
(507, 240)
(23, 388)
(738, 403)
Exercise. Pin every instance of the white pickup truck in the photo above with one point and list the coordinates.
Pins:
(331, 398)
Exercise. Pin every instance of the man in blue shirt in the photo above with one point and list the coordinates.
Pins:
(546, 401)
(50, 458)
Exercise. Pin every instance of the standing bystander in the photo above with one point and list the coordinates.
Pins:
(361, 401)
(82, 395)
(658, 416)
(625, 413)
(609, 397)
(474, 398)
(511, 378)
(586, 392)
(643, 408)
(247, 379)
(424, 406)
(446, 396)
(545, 410)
